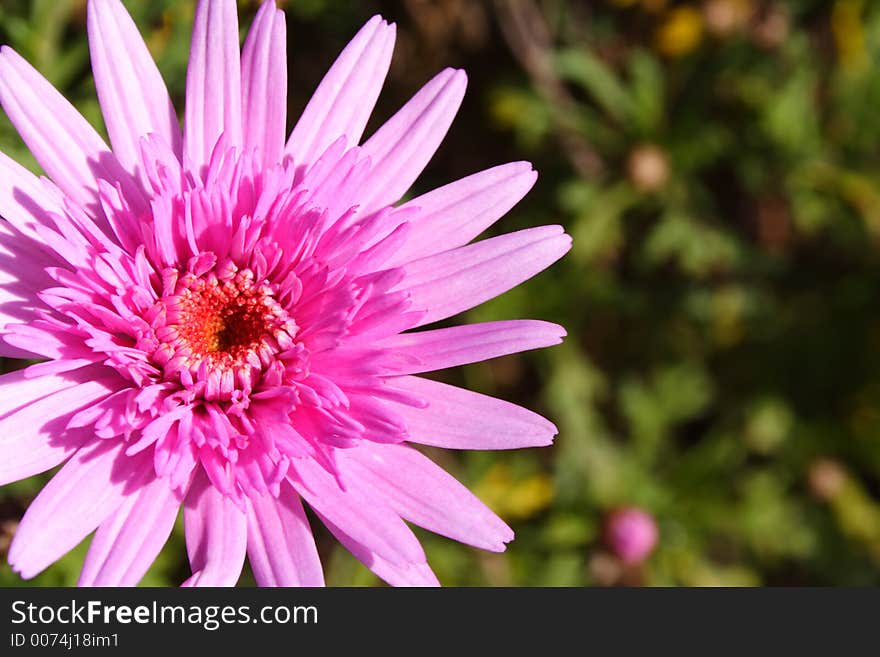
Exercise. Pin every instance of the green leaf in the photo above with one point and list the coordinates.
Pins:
(597, 79)
(648, 94)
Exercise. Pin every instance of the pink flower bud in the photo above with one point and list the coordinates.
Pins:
(631, 534)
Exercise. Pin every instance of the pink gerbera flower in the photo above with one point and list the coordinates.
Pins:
(223, 315)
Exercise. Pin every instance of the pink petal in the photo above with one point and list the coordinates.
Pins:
(281, 547)
(33, 436)
(61, 140)
(425, 494)
(25, 200)
(448, 283)
(404, 574)
(344, 99)
(90, 486)
(132, 93)
(127, 543)
(19, 389)
(359, 513)
(460, 419)
(216, 535)
(24, 203)
(22, 275)
(30, 454)
(7, 350)
(213, 82)
(453, 215)
(401, 148)
(449, 347)
(49, 342)
(264, 84)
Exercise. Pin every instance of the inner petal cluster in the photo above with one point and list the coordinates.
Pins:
(223, 328)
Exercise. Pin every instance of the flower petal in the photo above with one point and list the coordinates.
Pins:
(358, 512)
(127, 543)
(427, 351)
(401, 148)
(33, 435)
(132, 93)
(344, 99)
(22, 276)
(405, 574)
(25, 203)
(264, 83)
(61, 140)
(90, 486)
(453, 215)
(460, 419)
(25, 200)
(447, 283)
(216, 535)
(281, 547)
(425, 494)
(213, 82)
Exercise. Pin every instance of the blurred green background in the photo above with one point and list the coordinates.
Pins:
(718, 164)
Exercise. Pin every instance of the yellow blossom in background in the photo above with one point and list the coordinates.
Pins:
(849, 34)
(514, 498)
(680, 33)
(728, 310)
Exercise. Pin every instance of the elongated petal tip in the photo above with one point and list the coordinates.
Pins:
(264, 84)
(213, 81)
(344, 100)
(517, 169)
(451, 72)
(550, 431)
(496, 533)
(554, 332)
(374, 19)
(561, 244)
(20, 571)
(132, 93)
(404, 145)
(432, 350)
(456, 80)
(451, 216)
(506, 536)
(543, 434)
(426, 495)
(524, 169)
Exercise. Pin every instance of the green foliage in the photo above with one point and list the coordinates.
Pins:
(722, 369)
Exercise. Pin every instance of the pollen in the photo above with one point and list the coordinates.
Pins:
(229, 318)
(221, 332)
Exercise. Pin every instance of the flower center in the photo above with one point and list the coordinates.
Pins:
(222, 331)
(225, 319)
